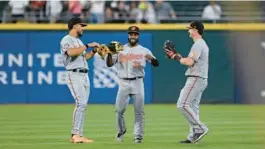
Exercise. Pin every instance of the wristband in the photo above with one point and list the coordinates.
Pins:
(86, 46)
(176, 57)
(94, 51)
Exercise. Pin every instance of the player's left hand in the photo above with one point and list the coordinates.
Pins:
(137, 64)
(169, 48)
(170, 53)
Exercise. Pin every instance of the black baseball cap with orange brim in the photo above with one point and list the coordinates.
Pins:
(134, 29)
(75, 21)
(197, 25)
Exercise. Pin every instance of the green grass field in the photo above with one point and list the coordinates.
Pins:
(48, 127)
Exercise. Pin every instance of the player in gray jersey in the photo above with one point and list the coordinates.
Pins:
(130, 65)
(196, 83)
(75, 61)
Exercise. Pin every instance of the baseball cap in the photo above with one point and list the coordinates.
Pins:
(133, 29)
(197, 25)
(75, 21)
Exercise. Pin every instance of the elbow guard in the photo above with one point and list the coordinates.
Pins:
(155, 62)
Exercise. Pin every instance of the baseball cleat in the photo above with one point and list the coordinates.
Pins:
(120, 135)
(185, 141)
(137, 140)
(198, 136)
(76, 139)
(86, 140)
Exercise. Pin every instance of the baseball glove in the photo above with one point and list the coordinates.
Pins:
(170, 51)
(113, 48)
(169, 48)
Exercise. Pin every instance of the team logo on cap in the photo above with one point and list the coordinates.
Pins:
(133, 28)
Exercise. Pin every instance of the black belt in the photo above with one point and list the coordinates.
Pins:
(196, 76)
(79, 70)
(131, 78)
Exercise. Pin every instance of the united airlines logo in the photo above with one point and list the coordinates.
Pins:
(32, 69)
(104, 77)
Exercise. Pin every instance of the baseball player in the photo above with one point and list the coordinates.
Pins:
(196, 83)
(75, 61)
(130, 65)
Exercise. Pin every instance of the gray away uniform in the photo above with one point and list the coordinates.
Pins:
(77, 82)
(131, 88)
(196, 83)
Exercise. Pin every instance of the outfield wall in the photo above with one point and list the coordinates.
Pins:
(31, 70)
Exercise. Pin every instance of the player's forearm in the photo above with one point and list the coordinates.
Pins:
(76, 51)
(90, 54)
(79, 50)
(109, 60)
(186, 61)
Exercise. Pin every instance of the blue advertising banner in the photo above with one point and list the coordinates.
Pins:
(31, 69)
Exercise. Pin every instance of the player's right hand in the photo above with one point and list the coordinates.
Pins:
(169, 53)
(93, 45)
(137, 64)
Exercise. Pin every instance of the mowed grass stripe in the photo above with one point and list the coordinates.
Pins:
(111, 133)
(48, 126)
(147, 127)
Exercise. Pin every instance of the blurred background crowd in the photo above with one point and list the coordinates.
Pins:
(143, 11)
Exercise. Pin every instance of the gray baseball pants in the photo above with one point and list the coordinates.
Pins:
(135, 90)
(79, 85)
(188, 104)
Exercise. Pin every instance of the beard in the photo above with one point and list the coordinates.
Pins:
(132, 41)
(79, 34)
